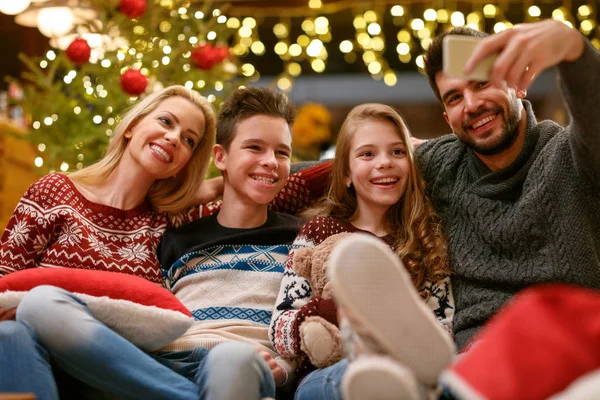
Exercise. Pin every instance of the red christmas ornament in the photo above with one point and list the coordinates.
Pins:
(133, 82)
(79, 51)
(222, 52)
(133, 8)
(204, 56)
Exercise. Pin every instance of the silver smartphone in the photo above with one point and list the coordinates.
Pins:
(456, 51)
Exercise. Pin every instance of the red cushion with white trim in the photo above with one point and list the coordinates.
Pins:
(141, 311)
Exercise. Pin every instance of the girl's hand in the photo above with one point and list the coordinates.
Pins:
(279, 373)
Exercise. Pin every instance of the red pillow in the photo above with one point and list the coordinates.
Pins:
(141, 311)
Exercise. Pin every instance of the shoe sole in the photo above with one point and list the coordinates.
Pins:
(378, 379)
(370, 280)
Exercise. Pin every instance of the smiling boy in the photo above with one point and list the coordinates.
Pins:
(227, 268)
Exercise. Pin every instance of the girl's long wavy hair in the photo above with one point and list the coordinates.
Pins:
(165, 195)
(420, 242)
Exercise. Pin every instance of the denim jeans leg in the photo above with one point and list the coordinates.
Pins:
(186, 362)
(235, 370)
(323, 384)
(93, 353)
(24, 363)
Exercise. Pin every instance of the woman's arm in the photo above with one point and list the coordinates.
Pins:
(303, 189)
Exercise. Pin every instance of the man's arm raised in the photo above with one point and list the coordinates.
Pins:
(525, 51)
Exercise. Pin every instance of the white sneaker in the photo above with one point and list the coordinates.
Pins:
(378, 378)
(371, 283)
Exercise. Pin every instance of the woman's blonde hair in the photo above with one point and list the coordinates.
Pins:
(419, 239)
(166, 195)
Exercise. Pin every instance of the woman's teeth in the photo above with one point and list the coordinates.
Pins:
(161, 152)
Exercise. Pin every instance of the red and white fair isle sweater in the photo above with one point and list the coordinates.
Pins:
(295, 293)
(55, 226)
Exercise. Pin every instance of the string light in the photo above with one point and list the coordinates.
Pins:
(534, 11)
(302, 42)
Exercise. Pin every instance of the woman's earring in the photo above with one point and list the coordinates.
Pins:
(348, 184)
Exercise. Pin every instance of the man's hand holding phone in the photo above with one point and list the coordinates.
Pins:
(519, 55)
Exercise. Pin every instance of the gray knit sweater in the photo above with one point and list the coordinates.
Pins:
(538, 220)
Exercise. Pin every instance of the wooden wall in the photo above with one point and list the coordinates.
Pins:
(17, 171)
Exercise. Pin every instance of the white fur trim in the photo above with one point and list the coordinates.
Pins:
(459, 387)
(587, 387)
(148, 327)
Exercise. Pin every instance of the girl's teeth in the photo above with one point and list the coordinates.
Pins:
(386, 180)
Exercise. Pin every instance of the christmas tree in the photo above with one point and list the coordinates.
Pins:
(73, 97)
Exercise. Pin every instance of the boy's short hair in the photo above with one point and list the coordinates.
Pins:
(433, 57)
(247, 102)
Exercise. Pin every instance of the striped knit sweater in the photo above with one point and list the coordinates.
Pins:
(538, 220)
(295, 291)
(228, 278)
(55, 226)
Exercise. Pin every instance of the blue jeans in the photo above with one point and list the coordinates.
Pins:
(231, 370)
(323, 384)
(24, 363)
(94, 354)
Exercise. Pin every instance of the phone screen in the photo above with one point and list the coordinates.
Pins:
(456, 51)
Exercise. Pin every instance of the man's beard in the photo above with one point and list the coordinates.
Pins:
(509, 134)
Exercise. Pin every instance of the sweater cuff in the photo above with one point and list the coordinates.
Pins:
(316, 306)
(327, 309)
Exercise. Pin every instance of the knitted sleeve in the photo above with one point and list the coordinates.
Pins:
(28, 231)
(579, 82)
(294, 293)
(303, 188)
(441, 301)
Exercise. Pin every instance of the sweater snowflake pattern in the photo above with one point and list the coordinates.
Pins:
(55, 226)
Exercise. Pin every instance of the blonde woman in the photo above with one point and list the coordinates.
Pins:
(109, 216)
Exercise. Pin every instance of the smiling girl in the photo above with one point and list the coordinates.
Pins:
(376, 189)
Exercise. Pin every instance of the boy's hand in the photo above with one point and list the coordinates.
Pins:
(527, 50)
(210, 190)
(279, 373)
(8, 314)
